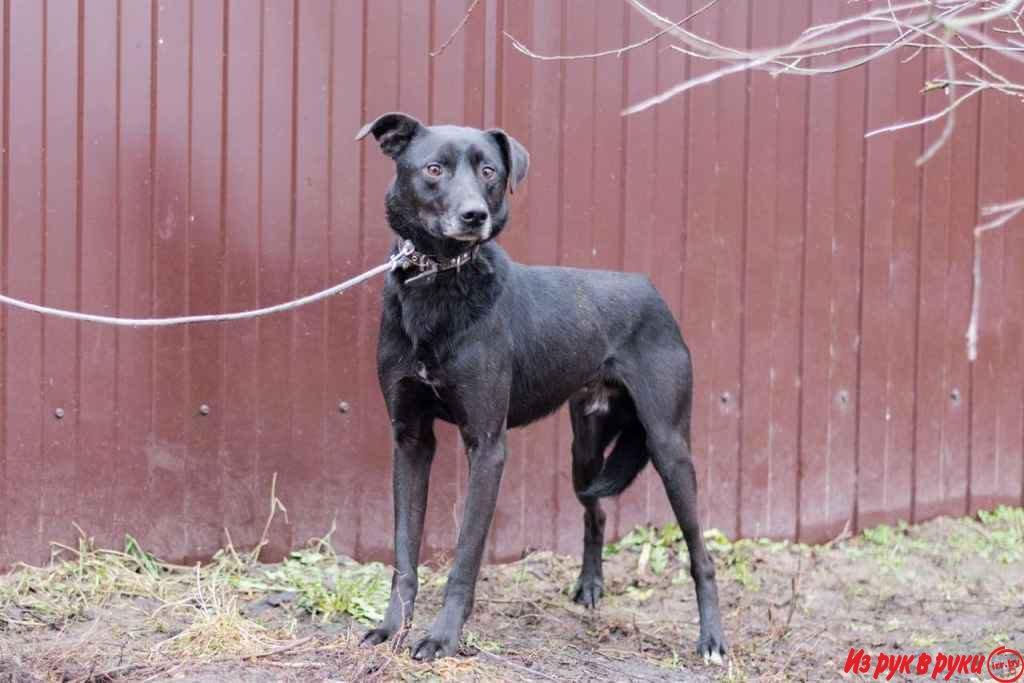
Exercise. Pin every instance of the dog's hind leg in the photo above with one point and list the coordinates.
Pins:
(592, 432)
(588, 444)
(670, 454)
(663, 404)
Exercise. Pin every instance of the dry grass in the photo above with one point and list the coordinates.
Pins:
(85, 577)
(218, 628)
(99, 614)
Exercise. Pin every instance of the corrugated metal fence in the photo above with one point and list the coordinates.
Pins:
(171, 157)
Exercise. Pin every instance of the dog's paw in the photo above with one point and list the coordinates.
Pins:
(588, 591)
(431, 648)
(375, 637)
(712, 646)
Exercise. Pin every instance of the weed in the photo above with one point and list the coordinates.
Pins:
(326, 585)
(654, 546)
(882, 535)
(1003, 534)
(475, 640)
(740, 563)
(737, 557)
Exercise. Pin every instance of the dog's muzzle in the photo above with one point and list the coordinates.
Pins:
(467, 232)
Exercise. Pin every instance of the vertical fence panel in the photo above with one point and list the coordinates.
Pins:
(277, 255)
(135, 377)
(61, 350)
(889, 304)
(842, 283)
(97, 465)
(988, 371)
(25, 269)
(1009, 429)
(942, 390)
(772, 283)
(340, 478)
(204, 505)
(307, 383)
(243, 484)
(1014, 386)
(381, 93)
(729, 233)
(169, 454)
(815, 470)
(715, 460)
(173, 156)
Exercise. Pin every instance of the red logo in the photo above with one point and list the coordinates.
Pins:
(1005, 665)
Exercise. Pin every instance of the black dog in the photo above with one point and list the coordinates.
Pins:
(470, 337)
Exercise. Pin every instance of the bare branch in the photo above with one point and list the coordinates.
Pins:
(966, 32)
(619, 51)
(465, 18)
(949, 112)
(1004, 213)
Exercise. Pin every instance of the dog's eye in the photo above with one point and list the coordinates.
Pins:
(487, 172)
(434, 170)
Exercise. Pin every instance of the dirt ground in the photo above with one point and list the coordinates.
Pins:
(792, 612)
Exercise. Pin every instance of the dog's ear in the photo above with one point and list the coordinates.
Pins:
(517, 159)
(393, 132)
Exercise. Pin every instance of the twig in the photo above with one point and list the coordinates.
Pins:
(842, 536)
(947, 111)
(465, 18)
(619, 51)
(795, 599)
(1008, 211)
(947, 130)
(275, 504)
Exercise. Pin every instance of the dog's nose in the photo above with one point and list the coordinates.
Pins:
(474, 216)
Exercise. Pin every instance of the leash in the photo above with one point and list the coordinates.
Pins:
(398, 260)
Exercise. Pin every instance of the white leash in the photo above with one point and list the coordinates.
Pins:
(396, 261)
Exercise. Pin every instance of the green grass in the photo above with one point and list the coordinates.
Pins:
(655, 548)
(325, 585)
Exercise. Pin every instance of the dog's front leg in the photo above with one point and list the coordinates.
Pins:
(414, 451)
(486, 463)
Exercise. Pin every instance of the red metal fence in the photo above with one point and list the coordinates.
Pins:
(171, 157)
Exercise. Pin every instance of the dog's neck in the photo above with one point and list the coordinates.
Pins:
(446, 303)
(423, 266)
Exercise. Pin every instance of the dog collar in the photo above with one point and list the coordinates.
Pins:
(407, 257)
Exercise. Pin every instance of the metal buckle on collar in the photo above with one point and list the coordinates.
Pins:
(400, 259)
(408, 257)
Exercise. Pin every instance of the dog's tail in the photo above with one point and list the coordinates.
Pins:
(626, 461)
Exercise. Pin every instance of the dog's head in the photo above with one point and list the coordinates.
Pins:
(450, 182)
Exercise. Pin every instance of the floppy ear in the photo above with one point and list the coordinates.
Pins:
(517, 159)
(393, 132)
